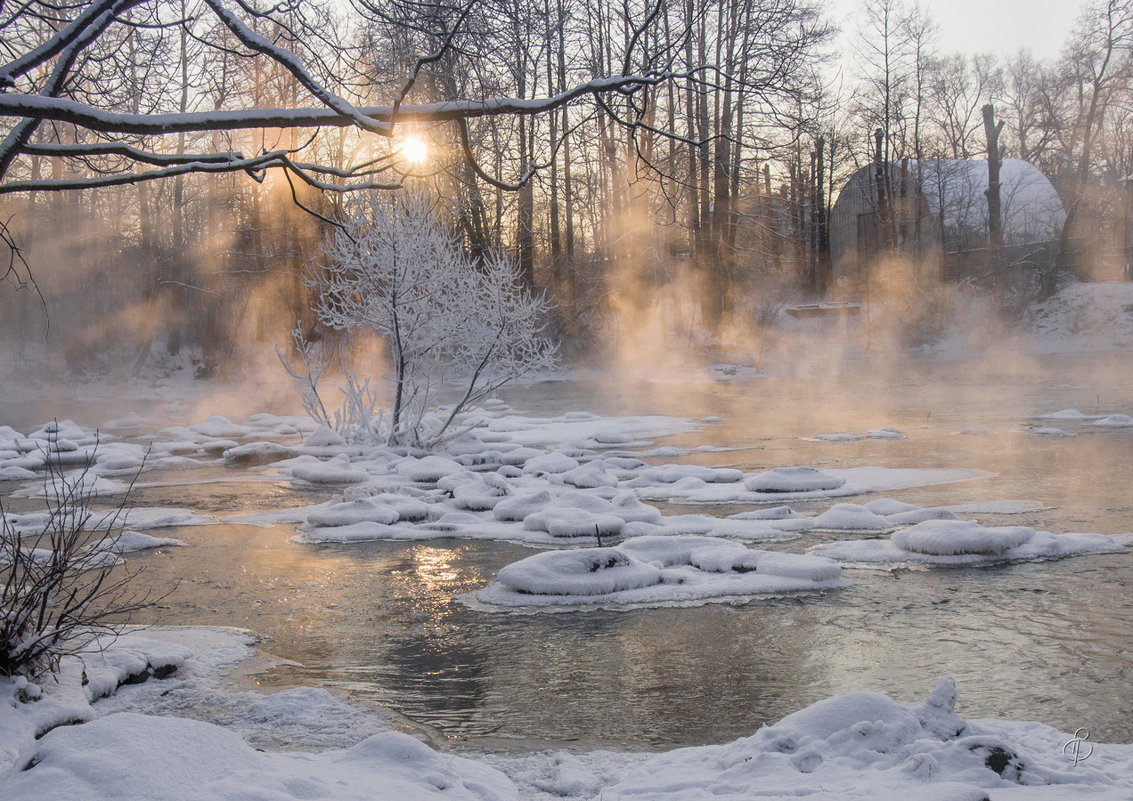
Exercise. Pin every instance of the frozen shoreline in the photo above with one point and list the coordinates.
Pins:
(190, 736)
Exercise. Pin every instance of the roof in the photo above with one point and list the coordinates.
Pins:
(1032, 209)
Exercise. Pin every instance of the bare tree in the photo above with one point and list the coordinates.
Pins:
(1025, 89)
(960, 86)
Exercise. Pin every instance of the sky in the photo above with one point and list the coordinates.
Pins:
(998, 26)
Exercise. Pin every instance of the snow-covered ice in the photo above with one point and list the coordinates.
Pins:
(651, 570)
(965, 542)
(128, 541)
(851, 517)
(1114, 421)
(1069, 415)
(793, 479)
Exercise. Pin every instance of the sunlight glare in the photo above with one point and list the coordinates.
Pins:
(414, 150)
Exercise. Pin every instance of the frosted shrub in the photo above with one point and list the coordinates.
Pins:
(449, 322)
(61, 588)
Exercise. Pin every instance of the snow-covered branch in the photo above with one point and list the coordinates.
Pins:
(114, 79)
(39, 107)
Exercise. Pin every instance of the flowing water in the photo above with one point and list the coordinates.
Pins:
(1049, 641)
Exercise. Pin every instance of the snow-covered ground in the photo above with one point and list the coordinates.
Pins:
(1082, 317)
(191, 735)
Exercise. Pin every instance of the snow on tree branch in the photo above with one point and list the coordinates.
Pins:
(51, 78)
(39, 107)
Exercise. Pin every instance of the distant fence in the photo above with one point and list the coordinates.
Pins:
(1089, 260)
(1018, 262)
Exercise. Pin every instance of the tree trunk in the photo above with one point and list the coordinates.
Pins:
(822, 225)
(994, 210)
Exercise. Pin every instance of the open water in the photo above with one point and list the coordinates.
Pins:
(1048, 641)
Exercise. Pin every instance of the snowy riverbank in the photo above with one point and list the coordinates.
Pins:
(192, 736)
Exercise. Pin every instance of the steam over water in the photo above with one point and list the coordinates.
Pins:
(1048, 641)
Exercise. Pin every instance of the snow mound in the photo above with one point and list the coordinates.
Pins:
(254, 453)
(336, 470)
(793, 479)
(590, 476)
(886, 432)
(592, 571)
(867, 746)
(950, 537)
(964, 542)
(518, 507)
(838, 437)
(564, 521)
(428, 470)
(914, 516)
(851, 517)
(1068, 415)
(132, 756)
(1046, 431)
(145, 518)
(554, 462)
(481, 494)
(674, 473)
(745, 530)
(770, 513)
(799, 566)
(129, 541)
(653, 570)
(363, 510)
(323, 437)
(1114, 421)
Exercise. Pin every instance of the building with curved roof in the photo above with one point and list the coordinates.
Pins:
(936, 212)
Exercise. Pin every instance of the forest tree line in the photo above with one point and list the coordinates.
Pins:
(710, 177)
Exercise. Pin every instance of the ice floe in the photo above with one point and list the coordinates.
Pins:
(965, 542)
(887, 432)
(129, 541)
(1114, 421)
(1068, 415)
(652, 570)
(1046, 431)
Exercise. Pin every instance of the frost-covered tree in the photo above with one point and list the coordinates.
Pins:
(450, 323)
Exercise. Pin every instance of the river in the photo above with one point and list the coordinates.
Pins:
(382, 622)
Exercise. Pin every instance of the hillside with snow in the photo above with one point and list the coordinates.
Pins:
(1082, 318)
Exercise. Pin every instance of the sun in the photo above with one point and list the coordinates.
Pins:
(414, 150)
